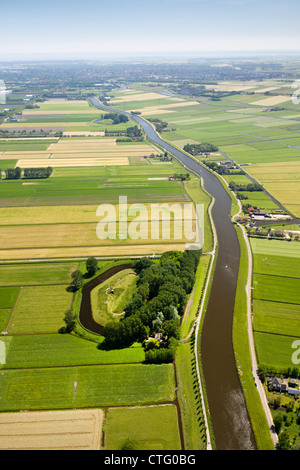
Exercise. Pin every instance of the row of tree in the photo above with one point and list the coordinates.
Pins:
(29, 173)
(37, 173)
(245, 187)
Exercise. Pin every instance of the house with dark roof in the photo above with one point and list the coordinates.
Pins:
(277, 385)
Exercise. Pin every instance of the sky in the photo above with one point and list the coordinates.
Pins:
(78, 29)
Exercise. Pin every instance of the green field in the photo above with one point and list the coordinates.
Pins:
(92, 186)
(38, 274)
(39, 309)
(98, 386)
(276, 288)
(276, 299)
(58, 350)
(142, 428)
(8, 297)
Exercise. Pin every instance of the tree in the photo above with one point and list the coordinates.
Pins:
(129, 444)
(91, 266)
(77, 280)
(278, 421)
(141, 264)
(284, 442)
(69, 321)
(171, 329)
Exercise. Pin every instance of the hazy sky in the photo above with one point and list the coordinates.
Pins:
(99, 28)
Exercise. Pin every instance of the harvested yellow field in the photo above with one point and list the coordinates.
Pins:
(9, 125)
(99, 146)
(104, 154)
(51, 430)
(84, 133)
(167, 108)
(224, 87)
(49, 112)
(84, 252)
(75, 235)
(85, 143)
(48, 214)
(59, 101)
(272, 101)
(64, 214)
(25, 155)
(138, 97)
(27, 139)
(264, 90)
(81, 152)
(282, 180)
(61, 162)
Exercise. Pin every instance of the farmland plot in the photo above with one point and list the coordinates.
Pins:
(52, 430)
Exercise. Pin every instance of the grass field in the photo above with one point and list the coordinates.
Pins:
(191, 409)
(142, 427)
(39, 309)
(58, 350)
(97, 386)
(8, 297)
(276, 299)
(39, 274)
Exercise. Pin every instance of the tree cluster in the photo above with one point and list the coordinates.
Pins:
(157, 305)
(195, 149)
(29, 173)
(159, 125)
(182, 176)
(134, 133)
(116, 118)
(245, 187)
(13, 173)
(221, 170)
(37, 173)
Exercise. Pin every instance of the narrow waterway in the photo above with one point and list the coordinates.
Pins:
(231, 425)
(85, 314)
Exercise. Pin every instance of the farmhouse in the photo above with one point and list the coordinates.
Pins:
(277, 385)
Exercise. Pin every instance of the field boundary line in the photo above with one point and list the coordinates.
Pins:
(13, 308)
(275, 334)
